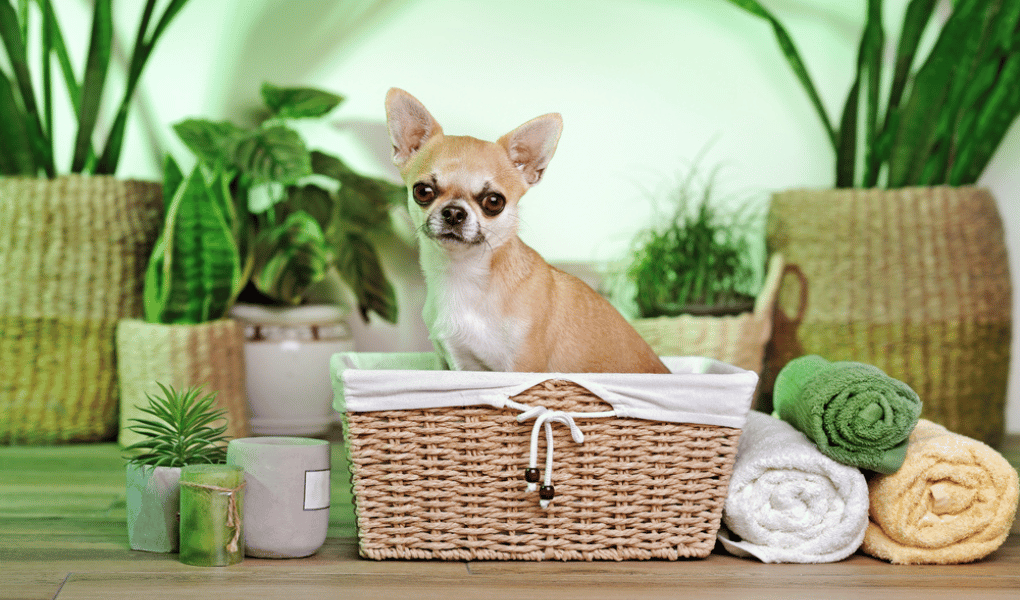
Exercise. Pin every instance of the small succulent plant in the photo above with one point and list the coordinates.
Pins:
(181, 432)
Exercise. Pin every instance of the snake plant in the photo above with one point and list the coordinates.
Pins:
(27, 124)
(941, 118)
(200, 261)
(181, 432)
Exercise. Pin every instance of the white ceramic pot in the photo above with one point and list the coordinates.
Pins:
(287, 352)
(153, 497)
(287, 493)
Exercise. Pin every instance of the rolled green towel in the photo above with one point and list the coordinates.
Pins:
(855, 413)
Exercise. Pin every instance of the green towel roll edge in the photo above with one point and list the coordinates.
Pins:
(853, 412)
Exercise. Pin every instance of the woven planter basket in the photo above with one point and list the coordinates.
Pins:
(449, 483)
(210, 355)
(73, 252)
(737, 340)
(914, 281)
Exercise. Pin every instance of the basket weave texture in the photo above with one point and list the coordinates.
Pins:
(914, 281)
(72, 259)
(737, 340)
(449, 484)
(210, 355)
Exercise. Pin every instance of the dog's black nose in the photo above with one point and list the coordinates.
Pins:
(454, 215)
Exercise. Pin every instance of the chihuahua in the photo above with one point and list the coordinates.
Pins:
(492, 303)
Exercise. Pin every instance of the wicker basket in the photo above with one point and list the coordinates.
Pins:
(210, 355)
(449, 483)
(914, 281)
(72, 259)
(738, 340)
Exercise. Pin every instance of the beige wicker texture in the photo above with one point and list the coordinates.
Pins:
(914, 281)
(72, 259)
(449, 484)
(738, 340)
(210, 355)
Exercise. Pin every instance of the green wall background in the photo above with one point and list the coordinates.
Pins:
(644, 86)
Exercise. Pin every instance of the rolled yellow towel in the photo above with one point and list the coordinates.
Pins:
(952, 501)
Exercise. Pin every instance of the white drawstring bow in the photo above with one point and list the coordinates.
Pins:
(545, 417)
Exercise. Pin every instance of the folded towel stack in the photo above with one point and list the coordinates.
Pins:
(790, 503)
(855, 413)
(952, 501)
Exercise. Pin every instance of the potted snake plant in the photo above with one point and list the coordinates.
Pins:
(900, 262)
(195, 272)
(176, 429)
(76, 236)
(314, 231)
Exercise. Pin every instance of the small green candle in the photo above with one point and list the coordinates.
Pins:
(212, 515)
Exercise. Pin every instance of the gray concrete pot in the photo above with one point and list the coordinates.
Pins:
(153, 505)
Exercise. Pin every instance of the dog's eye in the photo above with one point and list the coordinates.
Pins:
(493, 204)
(423, 193)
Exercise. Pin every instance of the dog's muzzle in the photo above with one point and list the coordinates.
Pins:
(454, 222)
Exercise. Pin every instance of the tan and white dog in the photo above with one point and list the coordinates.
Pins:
(492, 302)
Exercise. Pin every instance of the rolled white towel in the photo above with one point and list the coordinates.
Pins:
(788, 502)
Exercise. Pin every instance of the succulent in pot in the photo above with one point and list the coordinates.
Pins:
(180, 429)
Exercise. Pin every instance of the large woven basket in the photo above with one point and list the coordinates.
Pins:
(914, 281)
(72, 259)
(449, 483)
(210, 355)
(737, 339)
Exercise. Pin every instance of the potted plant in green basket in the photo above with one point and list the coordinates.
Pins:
(178, 429)
(900, 260)
(694, 279)
(197, 269)
(315, 223)
(85, 274)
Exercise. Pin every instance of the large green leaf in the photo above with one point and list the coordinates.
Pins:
(363, 202)
(273, 153)
(17, 54)
(925, 122)
(16, 158)
(359, 267)
(97, 64)
(290, 257)
(195, 271)
(793, 58)
(298, 102)
(212, 141)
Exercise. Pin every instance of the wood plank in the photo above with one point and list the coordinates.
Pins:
(229, 585)
(31, 586)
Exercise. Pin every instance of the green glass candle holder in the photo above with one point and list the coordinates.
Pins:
(212, 515)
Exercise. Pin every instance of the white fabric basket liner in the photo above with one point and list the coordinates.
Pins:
(698, 390)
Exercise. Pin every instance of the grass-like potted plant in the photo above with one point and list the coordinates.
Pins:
(315, 223)
(905, 256)
(74, 239)
(197, 268)
(177, 429)
(694, 281)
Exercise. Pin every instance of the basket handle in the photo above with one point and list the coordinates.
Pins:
(770, 288)
(802, 280)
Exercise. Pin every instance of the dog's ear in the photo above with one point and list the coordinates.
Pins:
(531, 146)
(409, 123)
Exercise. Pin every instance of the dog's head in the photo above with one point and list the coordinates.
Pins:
(463, 191)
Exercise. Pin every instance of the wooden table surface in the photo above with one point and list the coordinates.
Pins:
(62, 535)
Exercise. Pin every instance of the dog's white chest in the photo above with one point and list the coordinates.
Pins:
(469, 326)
